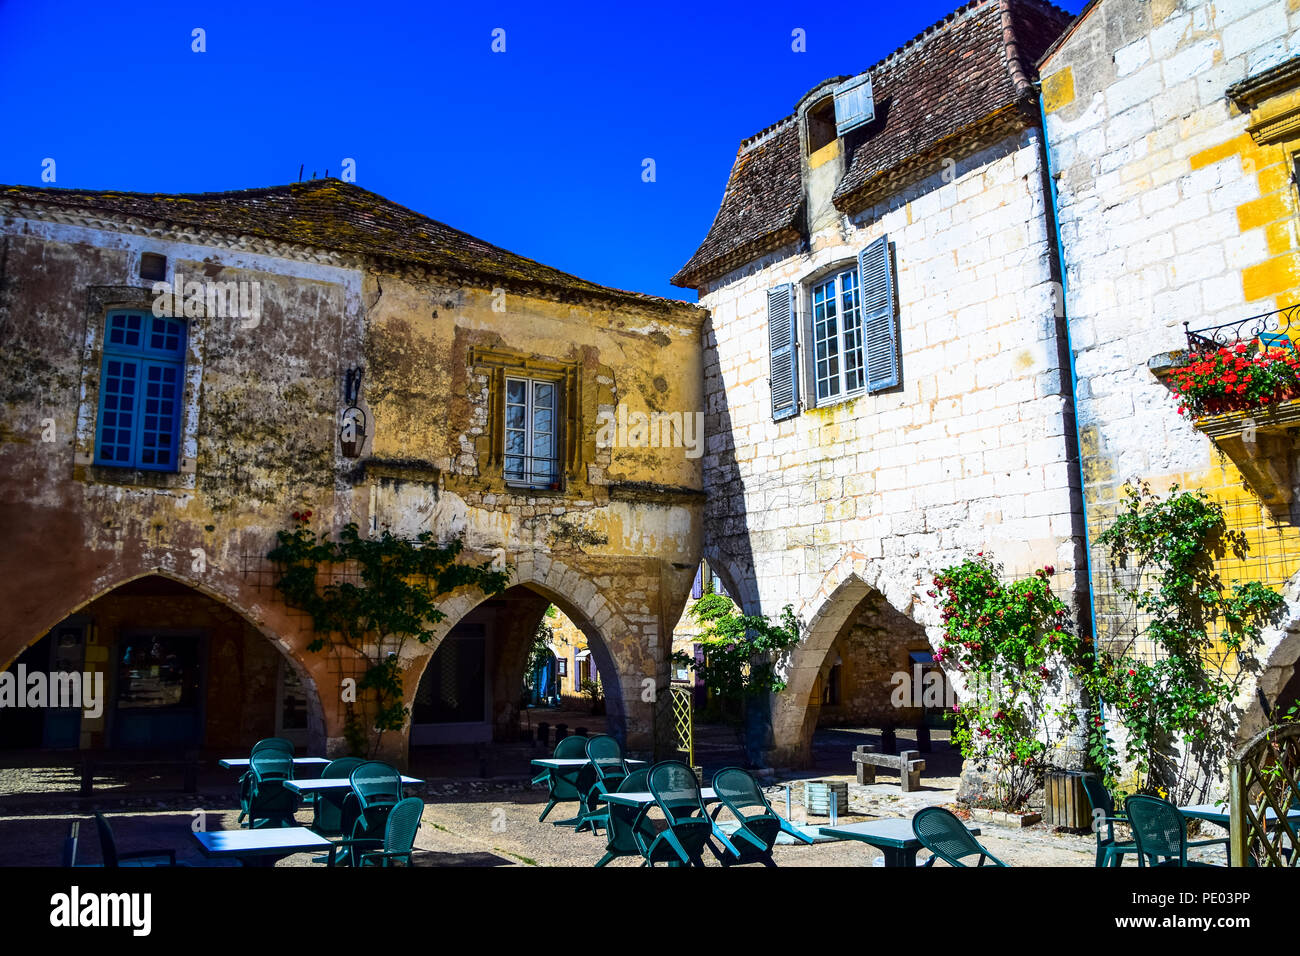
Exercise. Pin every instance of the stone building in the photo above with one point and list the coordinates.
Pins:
(1173, 129)
(885, 365)
(186, 371)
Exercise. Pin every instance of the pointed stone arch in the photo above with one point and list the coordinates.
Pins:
(824, 616)
(1279, 670)
(625, 655)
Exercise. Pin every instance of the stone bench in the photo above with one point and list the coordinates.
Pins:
(868, 757)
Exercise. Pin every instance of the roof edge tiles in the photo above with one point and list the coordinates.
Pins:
(326, 215)
(968, 76)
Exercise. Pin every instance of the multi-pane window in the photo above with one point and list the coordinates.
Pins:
(141, 385)
(837, 336)
(531, 435)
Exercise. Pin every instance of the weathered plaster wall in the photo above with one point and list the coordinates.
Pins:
(616, 547)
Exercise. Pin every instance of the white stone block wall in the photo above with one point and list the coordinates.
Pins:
(969, 455)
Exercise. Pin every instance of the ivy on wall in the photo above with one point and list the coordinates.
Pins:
(392, 598)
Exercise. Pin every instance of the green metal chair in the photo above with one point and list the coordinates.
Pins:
(1160, 833)
(677, 793)
(758, 823)
(605, 771)
(563, 784)
(624, 823)
(399, 835)
(274, 743)
(376, 790)
(269, 800)
(328, 817)
(947, 838)
(113, 858)
(246, 780)
(1110, 852)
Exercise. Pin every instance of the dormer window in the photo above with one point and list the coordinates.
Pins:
(821, 124)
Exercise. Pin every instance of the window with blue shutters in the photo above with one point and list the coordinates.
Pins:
(140, 392)
(850, 329)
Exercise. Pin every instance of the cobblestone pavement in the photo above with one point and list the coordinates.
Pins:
(472, 820)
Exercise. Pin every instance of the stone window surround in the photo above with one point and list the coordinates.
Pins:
(498, 363)
(100, 301)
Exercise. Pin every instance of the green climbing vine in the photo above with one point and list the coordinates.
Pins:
(393, 598)
(1175, 705)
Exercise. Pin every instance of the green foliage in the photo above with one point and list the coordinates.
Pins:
(740, 655)
(740, 650)
(399, 583)
(1176, 704)
(1010, 641)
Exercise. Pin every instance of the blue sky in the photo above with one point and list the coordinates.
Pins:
(539, 149)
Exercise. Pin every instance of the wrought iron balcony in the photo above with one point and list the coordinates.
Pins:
(1275, 323)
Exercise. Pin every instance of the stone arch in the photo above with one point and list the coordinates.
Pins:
(825, 615)
(624, 663)
(308, 672)
(741, 587)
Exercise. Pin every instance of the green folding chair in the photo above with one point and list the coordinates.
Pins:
(1160, 833)
(562, 784)
(1110, 852)
(758, 825)
(270, 802)
(327, 819)
(676, 793)
(624, 823)
(376, 790)
(947, 838)
(399, 835)
(603, 774)
(246, 779)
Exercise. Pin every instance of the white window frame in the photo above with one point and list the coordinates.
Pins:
(553, 480)
(843, 376)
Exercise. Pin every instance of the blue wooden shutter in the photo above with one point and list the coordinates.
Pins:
(876, 279)
(697, 589)
(854, 104)
(782, 341)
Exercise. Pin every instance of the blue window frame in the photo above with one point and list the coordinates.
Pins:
(141, 384)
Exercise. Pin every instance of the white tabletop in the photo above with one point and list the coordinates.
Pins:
(564, 763)
(277, 841)
(331, 783)
(239, 763)
(639, 798)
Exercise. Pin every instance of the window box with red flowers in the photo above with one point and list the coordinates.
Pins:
(1246, 398)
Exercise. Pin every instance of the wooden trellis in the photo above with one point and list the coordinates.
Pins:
(1264, 776)
(676, 717)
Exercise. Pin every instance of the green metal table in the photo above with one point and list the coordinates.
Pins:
(894, 837)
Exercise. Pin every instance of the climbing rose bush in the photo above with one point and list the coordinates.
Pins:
(1010, 641)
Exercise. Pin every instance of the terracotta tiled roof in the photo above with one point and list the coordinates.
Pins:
(974, 65)
(760, 208)
(328, 214)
